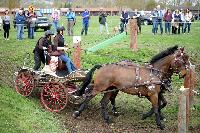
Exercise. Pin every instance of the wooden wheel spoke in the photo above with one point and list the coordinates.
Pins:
(50, 101)
(60, 103)
(54, 97)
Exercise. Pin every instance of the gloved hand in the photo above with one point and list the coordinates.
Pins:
(44, 48)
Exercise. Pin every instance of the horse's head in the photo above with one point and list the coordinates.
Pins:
(180, 63)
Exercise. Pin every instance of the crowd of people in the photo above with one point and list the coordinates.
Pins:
(175, 22)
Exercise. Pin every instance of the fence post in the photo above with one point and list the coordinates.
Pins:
(185, 100)
(183, 113)
(77, 51)
(133, 34)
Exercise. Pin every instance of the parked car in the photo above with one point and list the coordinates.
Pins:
(145, 19)
(41, 22)
(196, 16)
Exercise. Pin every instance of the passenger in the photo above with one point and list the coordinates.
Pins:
(60, 47)
(42, 44)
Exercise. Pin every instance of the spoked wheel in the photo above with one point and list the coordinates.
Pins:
(54, 96)
(24, 82)
(74, 99)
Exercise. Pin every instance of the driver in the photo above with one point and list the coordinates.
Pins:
(60, 47)
(42, 44)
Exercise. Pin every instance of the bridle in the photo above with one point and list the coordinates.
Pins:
(181, 62)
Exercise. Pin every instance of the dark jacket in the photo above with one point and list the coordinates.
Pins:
(177, 18)
(42, 42)
(102, 18)
(125, 17)
(58, 42)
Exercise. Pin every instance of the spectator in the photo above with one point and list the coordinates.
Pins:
(176, 19)
(137, 16)
(182, 21)
(20, 21)
(85, 17)
(31, 23)
(0, 23)
(188, 18)
(168, 19)
(102, 21)
(56, 17)
(124, 21)
(6, 25)
(160, 17)
(154, 16)
(71, 22)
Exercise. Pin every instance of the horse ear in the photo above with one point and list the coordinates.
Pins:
(182, 49)
(186, 58)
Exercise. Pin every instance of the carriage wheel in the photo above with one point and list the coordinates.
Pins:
(74, 99)
(24, 83)
(54, 96)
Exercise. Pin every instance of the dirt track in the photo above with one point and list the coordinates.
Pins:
(91, 121)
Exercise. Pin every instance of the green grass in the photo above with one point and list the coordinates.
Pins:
(24, 115)
(18, 114)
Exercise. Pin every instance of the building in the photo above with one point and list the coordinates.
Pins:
(2, 11)
(93, 11)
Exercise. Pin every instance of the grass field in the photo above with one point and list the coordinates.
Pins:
(19, 114)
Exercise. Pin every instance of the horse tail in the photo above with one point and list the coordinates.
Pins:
(88, 79)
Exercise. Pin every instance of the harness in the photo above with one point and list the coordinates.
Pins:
(150, 84)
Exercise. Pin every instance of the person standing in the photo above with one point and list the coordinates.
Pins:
(42, 44)
(154, 16)
(70, 22)
(56, 17)
(137, 16)
(124, 21)
(6, 25)
(1, 21)
(160, 17)
(182, 21)
(102, 21)
(188, 18)
(168, 19)
(31, 23)
(20, 21)
(176, 19)
(85, 16)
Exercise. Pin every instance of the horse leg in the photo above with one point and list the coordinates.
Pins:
(162, 100)
(82, 107)
(148, 114)
(154, 101)
(112, 100)
(104, 102)
(161, 106)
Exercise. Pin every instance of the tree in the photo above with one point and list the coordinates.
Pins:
(136, 4)
(10, 3)
(120, 3)
(151, 4)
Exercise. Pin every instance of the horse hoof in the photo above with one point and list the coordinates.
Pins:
(108, 121)
(76, 114)
(162, 117)
(116, 114)
(144, 117)
(161, 127)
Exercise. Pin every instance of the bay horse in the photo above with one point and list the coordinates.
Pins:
(145, 80)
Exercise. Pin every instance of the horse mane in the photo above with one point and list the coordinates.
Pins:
(163, 54)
